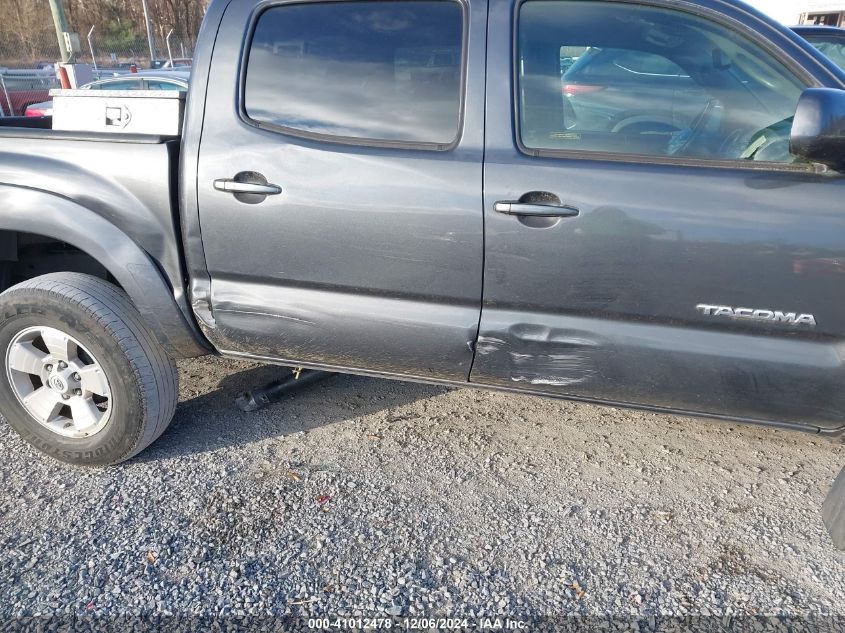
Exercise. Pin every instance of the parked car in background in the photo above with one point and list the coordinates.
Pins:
(830, 40)
(176, 62)
(172, 80)
(615, 90)
(21, 88)
(121, 67)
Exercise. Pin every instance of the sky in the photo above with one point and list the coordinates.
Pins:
(786, 11)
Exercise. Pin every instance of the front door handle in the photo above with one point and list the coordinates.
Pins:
(528, 209)
(233, 186)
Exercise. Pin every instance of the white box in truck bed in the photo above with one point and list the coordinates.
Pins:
(158, 112)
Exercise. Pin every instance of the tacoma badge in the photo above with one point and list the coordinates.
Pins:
(774, 316)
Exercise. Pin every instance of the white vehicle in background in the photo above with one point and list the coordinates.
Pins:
(177, 63)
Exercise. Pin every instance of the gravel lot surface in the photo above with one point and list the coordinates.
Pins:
(370, 497)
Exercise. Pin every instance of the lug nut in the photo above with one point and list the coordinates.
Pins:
(49, 368)
(65, 396)
(77, 392)
(62, 364)
(77, 377)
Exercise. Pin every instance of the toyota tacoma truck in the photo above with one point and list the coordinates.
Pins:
(426, 190)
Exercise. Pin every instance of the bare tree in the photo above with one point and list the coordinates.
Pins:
(26, 27)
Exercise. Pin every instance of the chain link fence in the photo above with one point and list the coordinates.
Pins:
(112, 38)
(41, 49)
(170, 49)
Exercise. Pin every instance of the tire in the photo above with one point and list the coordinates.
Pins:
(99, 422)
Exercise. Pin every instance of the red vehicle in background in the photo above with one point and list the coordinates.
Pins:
(21, 88)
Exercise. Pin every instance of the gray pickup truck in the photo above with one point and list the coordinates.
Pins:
(632, 203)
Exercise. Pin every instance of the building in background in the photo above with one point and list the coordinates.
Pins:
(823, 12)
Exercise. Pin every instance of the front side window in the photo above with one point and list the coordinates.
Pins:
(377, 71)
(623, 78)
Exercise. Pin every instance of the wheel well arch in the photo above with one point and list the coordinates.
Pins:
(24, 256)
(91, 241)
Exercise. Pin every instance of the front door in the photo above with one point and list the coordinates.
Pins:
(340, 184)
(649, 238)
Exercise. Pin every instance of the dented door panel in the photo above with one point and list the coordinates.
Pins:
(370, 257)
(750, 263)
(764, 378)
(712, 289)
(397, 335)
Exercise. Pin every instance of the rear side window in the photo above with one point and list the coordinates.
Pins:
(624, 78)
(368, 71)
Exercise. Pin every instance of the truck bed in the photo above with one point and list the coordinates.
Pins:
(129, 179)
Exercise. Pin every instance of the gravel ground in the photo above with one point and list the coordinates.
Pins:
(370, 497)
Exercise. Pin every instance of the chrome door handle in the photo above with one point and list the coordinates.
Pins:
(233, 186)
(536, 210)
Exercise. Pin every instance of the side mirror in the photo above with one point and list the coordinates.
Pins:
(818, 129)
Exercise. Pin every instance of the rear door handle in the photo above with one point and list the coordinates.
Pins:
(233, 186)
(527, 209)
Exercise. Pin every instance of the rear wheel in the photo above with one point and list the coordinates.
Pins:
(84, 380)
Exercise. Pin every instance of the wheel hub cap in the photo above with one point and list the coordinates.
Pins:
(59, 382)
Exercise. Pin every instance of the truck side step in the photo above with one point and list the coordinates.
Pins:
(273, 391)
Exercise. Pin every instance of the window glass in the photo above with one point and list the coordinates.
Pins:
(834, 48)
(384, 71)
(632, 79)
(128, 84)
(155, 84)
(625, 65)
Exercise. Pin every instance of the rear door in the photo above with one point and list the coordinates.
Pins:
(339, 183)
(667, 252)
